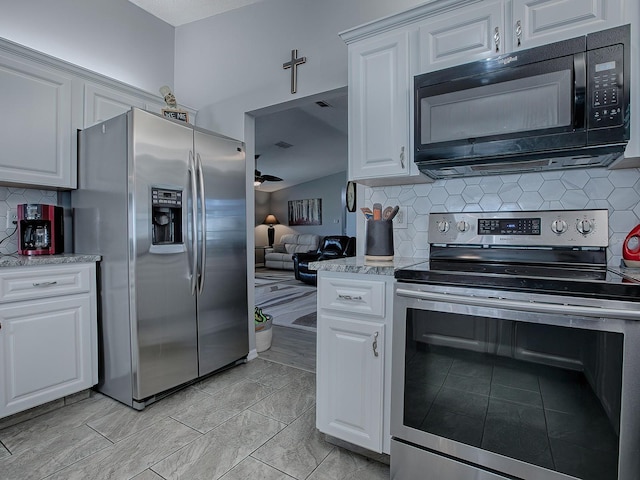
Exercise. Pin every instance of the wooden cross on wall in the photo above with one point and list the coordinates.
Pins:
(293, 65)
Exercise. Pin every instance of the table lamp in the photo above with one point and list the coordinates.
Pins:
(271, 220)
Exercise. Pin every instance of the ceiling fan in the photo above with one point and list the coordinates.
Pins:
(259, 178)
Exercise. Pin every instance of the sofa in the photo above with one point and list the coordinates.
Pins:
(281, 255)
(331, 247)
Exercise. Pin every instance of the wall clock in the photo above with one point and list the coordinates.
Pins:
(351, 196)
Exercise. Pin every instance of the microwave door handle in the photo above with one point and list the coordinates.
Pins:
(580, 90)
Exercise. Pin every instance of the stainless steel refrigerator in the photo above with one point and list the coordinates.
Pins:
(164, 204)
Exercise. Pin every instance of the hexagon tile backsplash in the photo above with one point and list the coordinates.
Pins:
(10, 198)
(616, 190)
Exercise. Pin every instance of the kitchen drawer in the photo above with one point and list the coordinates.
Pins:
(28, 283)
(356, 296)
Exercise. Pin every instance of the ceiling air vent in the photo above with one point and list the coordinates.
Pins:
(282, 144)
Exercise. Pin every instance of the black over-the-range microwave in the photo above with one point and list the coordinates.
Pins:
(559, 106)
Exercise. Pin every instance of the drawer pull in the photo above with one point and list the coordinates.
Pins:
(349, 297)
(45, 284)
(375, 344)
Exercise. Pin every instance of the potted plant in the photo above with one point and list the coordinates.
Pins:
(264, 333)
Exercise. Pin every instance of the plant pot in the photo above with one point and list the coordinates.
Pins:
(264, 334)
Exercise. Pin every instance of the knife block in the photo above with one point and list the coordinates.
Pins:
(379, 240)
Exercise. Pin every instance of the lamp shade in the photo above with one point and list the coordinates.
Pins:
(271, 220)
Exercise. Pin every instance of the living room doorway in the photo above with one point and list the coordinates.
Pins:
(303, 143)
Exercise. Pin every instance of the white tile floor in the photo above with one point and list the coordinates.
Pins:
(255, 421)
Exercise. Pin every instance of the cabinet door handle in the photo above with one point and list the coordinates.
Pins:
(402, 156)
(45, 284)
(348, 297)
(375, 344)
(496, 38)
(519, 32)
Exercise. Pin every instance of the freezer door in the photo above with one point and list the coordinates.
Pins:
(164, 327)
(222, 300)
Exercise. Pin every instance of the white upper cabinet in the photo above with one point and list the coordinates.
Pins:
(37, 126)
(485, 29)
(46, 102)
(461, 36)
(385, 55)
(102, 103)
(379, 133)
(539, 22)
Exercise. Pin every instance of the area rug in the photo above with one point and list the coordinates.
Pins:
(267, 277)
(290, 302)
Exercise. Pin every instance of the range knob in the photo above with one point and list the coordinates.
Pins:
(443, 226)
(584, 226)
(558, 226)
(462, 226)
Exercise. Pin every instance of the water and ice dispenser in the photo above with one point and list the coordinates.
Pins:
(166, 220)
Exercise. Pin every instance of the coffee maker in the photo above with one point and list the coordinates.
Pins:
(40, 229)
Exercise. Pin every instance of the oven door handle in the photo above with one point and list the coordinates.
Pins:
(537, 307)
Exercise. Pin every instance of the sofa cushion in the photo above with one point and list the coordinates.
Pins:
(281, 254)
(310, 240)
(291, 247)
(289, 238)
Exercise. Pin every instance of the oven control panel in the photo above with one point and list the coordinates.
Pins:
(580, 228)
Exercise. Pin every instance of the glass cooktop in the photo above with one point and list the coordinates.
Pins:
(594, 282)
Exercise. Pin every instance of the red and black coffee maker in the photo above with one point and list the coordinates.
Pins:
(40, 229)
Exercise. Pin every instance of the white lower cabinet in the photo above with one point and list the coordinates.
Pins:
(48, 334)
(353, 358)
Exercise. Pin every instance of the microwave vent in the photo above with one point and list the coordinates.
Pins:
(510, 166)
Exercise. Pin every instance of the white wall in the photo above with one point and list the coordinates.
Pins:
(239, 55)
(111, 37)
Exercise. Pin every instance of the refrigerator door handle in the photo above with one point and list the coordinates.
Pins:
(203, 227)
(194, 228)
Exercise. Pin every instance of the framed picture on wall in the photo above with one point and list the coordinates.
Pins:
(305, 212)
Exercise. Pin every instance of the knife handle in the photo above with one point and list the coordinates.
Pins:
(377, 211)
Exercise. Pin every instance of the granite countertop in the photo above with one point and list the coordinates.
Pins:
(34, 260)
(629, 272)
(360, 264)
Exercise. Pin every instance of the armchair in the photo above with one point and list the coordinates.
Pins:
(334, 246)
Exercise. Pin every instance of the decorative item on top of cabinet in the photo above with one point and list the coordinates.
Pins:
(102, 103)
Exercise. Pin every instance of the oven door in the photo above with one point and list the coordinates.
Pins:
(526, 390)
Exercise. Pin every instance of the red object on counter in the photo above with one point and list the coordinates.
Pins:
(631, 248)
(40, 229)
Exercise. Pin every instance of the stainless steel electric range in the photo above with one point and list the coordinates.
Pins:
(516, 352)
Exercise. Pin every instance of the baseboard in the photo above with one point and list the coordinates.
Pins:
(253, 354)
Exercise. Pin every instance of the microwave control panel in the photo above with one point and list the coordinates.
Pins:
(606, 78)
